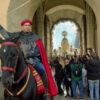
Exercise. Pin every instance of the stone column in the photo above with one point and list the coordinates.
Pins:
(81, 33)
(83, 36)
(98, 37)
(96, 8)
(48, 41)
(90, 19)
(81, 48)
(39, 22)
(51, 45)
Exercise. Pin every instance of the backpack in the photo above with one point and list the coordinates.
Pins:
(77, 71)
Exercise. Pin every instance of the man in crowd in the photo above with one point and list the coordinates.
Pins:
(67, 79)
(93, 75)
(76, 77)
(58, 75)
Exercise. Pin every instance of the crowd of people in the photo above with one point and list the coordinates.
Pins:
(78, 71)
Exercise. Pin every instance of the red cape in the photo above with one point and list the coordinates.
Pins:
(51, 84)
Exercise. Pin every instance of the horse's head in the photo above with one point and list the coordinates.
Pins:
(9, 57)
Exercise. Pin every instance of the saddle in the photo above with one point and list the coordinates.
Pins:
(40, 85)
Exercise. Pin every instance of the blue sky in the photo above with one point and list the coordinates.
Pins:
(71, 30)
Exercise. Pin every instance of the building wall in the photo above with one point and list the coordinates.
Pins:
(3, 12)
(94, 4)
(12, 12)
(15, 11)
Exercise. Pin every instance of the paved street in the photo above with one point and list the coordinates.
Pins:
(62, 97)
(58, 97)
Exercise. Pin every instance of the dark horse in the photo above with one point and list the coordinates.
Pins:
(17, 78)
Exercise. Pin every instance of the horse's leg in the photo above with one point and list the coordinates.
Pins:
(6, 97)
(39, 97)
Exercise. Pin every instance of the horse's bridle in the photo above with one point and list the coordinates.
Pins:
(6, 67)
(13, 69)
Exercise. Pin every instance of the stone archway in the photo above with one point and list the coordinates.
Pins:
(82, 47)
(15, 11)
(64, 7)
(87, 22)
(74, 15)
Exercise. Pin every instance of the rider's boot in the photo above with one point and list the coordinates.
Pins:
(45, 82)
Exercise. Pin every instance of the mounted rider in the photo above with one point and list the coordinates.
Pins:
(33, 50)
